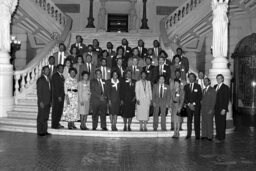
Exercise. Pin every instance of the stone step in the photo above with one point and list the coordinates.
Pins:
(116, 38)
(32, 123)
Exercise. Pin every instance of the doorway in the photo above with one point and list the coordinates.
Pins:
(117, 23)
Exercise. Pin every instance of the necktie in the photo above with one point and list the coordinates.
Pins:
(218, 87)
(161, 91)
(161, 70)
(103, 72)
(89, 68)
(191, 87)
(60, 61)
(205, 90)
(121, 71)
(134, 70)
(101, 87)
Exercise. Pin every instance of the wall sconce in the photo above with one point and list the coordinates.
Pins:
(15, 46)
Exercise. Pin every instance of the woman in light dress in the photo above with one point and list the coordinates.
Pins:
(84, 95)
(177, 100)
(144, 97)
(70, 111)
(80, 67)
(67, 66)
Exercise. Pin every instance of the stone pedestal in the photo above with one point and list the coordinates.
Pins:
(6, 84)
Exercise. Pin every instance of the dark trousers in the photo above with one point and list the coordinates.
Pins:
(220, 122)
(196, 115)
(42, 118)
(99, 108)
(57, 110)
(163, 116)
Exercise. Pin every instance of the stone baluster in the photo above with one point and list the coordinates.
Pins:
(7, 7)
(144, 20)
(17, 86)
(90, 23)
(32, 76)
(27, 79)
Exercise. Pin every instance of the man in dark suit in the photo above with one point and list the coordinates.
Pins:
(94, 55)
(51, 66)
(149, 69)
(207, 110)
(111, 54)
(161, 101)
(127, 51)
(44, 98)
(61, 55)
(79, 44)
(89, 66)
(58, 97)
(119, 68)
(184, 60)
(156, 48)
(105, 71)
(162, 69)
(193, 96)
(221, 107)
(136, 70)
(142, 50)
(99, 100)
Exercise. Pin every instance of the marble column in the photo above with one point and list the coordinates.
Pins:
(7, 7)
(132, 23)
(90, 18)
(220, 48)
(144, 19)
(102, 16)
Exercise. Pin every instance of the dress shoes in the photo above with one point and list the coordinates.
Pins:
(61, 127)
(197, 138)
(129, 128)
(125, 128)
(94, 129)
(155, 129)
(209, 139)
(48, 134)
(104, 129)
(203, 138)
(164, 129)
(188, 137)
(41, 135)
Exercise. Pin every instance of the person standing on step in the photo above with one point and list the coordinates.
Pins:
(89, 66)
(105, 71)
(162, 69)
(136, 70)
(70, 111)
(200, 80)
(207, 110)
(44, 98)
(113, 88)
(61, 55)
(81, 47)
(94, 55)
(99, 100)
(52, 66)
(58, 97)
(150, 70)
(221, 108)
(193, 96)
(161, 101)
(128, 99)
(84, 95)
(142, 50)
(143, 99)
(184, 60)
(127, 53)
(177, 101)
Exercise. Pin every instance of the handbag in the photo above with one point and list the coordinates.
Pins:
(183, 112)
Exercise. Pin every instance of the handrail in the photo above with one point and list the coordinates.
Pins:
(25, 77)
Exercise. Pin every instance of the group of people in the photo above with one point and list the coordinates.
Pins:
(128, 82)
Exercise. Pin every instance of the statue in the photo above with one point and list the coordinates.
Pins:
(101, 19)
(133, 19)
(7, 7)
(220, 28)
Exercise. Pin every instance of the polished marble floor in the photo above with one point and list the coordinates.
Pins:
(23, 151)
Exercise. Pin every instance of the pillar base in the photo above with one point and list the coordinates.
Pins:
(6, 84)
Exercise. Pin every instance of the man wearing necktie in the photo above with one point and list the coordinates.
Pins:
(119, 68)
(106, 71)
(193, 96)
(127, 50)
(156, 48)
(44, 99)
(89, 66)
(221, 107)
(99, 100)
(200, 79)
(51, 65)
(162, 69)
(136, 70)
(207, 110)
(149, 69)
(161, 100)
(80, 45)
(61, 55)
(142, 49)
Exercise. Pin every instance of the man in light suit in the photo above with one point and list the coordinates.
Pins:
(193, 96)
(221, 107)
(79, 44)
(161, 100)
(89, 66)
(99, 100)
(44, 99)
(61, 55)
(207, 110)
(105, 71)
(136, 70)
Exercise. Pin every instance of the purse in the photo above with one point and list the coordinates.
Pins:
(183, 112)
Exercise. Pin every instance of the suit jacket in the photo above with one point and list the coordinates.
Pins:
(182, 71)
(113, 93)
(116, 68)
(92, 70)
(222, 98)
(58, 85)
(150, 73)
(56, 56)
(95, 59)
(44, 93)
(193, 97)
(81, 49)
(136, 75)
(108, 73)
(157, 52)
(143, 53)
(127, 54)
(159, 101)
(52, 71)
(208, 100)
(185, 63)
(166, 73)
(96, 91)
